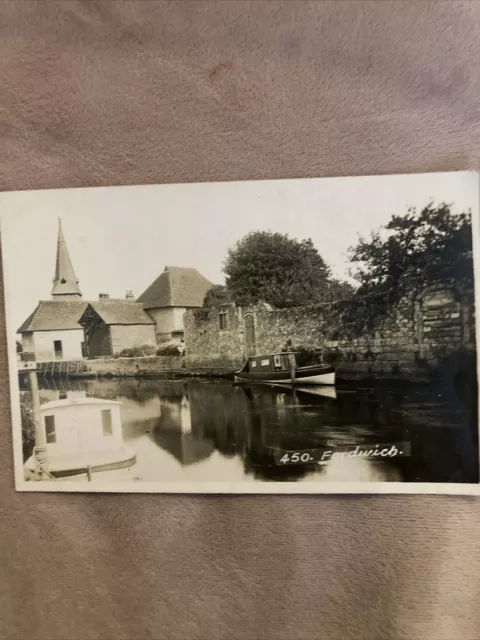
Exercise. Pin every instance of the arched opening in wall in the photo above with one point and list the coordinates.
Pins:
(249, 333)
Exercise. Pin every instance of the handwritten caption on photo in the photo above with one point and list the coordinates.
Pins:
(323, 456)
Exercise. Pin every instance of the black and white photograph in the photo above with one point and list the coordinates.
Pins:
(284, 336)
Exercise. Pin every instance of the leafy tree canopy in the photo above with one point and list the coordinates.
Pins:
(410, 253)
(272, 267)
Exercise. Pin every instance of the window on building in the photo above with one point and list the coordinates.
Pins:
(57, 346)
(50, 434)
(107, 422)
(223, 319)
(277, 363)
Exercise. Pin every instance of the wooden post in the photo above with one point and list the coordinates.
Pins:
(292, 363)
(40, 451)
(89, 473)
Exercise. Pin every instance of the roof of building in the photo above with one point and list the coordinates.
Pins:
(65, 281)
(51, 315)
(73, 402)
(119, 312)
(176, 287)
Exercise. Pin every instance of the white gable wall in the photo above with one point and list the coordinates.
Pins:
(167, 319)
(129, 336)
(42, 343)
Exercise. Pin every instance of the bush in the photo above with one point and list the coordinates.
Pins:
(137, 352)
(168, 350)
(332, 357)
(28, 428)
(305, 357)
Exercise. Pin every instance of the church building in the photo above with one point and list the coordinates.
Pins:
(67, 328)
(52, 331)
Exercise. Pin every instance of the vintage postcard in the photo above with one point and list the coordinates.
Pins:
(286, 336)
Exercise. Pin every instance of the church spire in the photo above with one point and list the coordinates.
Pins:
(65, 283)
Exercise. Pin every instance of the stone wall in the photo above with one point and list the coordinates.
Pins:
(211, 345)
(280, 329)
(420, 335)
(131, 365)
(114, 366)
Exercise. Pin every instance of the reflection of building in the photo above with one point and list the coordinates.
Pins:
(174, 433)
(52, 331)
(139, 418)
(83, 432)
(170, 295)
(113, 325)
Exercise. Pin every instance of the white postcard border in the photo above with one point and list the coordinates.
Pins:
(219, 487)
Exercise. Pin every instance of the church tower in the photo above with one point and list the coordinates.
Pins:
(65, 283)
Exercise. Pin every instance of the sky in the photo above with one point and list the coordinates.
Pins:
(121, 238)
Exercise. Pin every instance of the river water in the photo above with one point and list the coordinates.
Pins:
(214, 431)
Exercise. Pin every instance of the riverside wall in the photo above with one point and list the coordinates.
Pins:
(421, 336)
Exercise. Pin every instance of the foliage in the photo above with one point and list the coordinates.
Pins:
(201, 314)
(284, 272)
(137, 352)
(216, 296)
(169, 350)
(332, 356)
(305, 357)
(433, 246)
(28, 427)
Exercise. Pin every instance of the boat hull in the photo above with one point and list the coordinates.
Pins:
(307, 375)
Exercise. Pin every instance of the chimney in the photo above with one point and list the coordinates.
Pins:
(130, 295)
(103, 296)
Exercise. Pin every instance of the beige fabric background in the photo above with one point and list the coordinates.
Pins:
(138, 92)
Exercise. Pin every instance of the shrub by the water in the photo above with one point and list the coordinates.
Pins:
(28, 428)
(137, 352)
(168, 350)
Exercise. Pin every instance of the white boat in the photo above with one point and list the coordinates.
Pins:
(83, 434)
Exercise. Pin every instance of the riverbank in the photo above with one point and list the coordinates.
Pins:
(177, 367)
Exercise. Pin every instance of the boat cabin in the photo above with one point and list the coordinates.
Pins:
(273, 362)
(83, 432)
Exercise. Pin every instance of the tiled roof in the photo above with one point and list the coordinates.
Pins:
(176, 287)
(53, 315)
(120, 312)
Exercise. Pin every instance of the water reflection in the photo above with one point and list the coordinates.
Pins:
(216, 431)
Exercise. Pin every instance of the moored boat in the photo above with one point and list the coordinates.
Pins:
(83, 433)
(281, 368)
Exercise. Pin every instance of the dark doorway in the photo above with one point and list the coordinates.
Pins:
(57, 346)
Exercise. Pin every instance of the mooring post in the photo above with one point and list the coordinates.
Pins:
(40, 451)
(292, 363)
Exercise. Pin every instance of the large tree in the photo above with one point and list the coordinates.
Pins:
(409, 253)
(272, 267)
